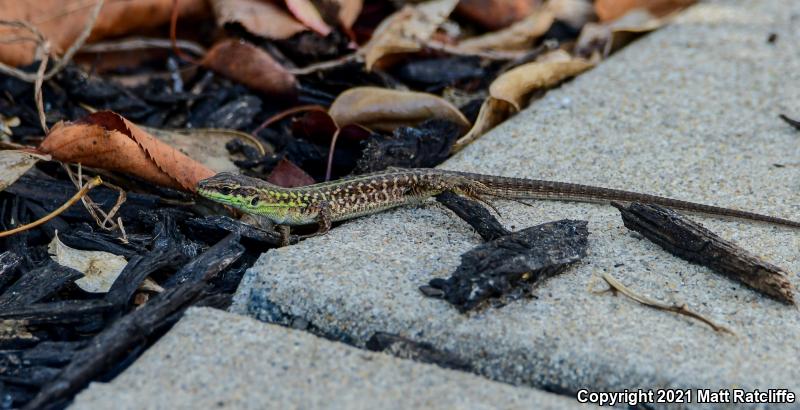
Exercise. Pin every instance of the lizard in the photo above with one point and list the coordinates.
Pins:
(355, 196)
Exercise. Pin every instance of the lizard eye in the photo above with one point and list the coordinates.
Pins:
(224, 190)
(254, 201)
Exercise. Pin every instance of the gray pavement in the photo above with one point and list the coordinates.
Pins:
(689, 112)
(214, 359)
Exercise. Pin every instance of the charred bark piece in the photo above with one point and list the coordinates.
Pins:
(220, 225)
(405, 348)
(52, 313)
(37, 284)
(137, 269)
(225, 251)
(691, 241)
(51, 353)
(424, 146)
(510, 265)
(475, 214)
(113, 343)
(8, 263)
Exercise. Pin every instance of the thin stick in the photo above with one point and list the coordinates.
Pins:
(173, 29)
(139, 43)
(679, 309)
(283, 114)
(329, 168)
(75, 198)
(37, 92)
(324, 65)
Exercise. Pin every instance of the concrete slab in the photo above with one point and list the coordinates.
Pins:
(214, 359)
(689, 112)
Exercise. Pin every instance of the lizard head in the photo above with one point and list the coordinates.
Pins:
(251, 195)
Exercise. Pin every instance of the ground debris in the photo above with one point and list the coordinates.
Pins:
(405, 348)
(691, 241)
(510, 265)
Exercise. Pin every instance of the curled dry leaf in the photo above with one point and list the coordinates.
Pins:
(14, 163)
(206, 146)
(61, 21)
(109, 141)
(289, 175)
(496, 14)
(493, 112)
(612, 9)
(406, 30)
(606, 38)
(519, 35)
(100, 269)
(386, 109)
(307, 13)
(261, 18)
(517, 83)
(251, 66)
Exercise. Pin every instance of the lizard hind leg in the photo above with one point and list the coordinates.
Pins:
(475, 191)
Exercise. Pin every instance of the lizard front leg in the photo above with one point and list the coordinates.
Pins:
(324, 219)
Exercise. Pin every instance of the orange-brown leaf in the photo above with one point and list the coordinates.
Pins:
(62, 20)
(386, 109)
(109, 141)
(251, 66)
(258, 17)
(613, 9)
(496, 14)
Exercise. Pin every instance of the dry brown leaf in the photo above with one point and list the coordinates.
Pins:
(386, 109)
(605, 38)
(307, 13)
(100, 269)
(493, 112)
(289, 175)
(514, 85)
(258, 17)
(406, 30)
(62, 20)
(612, 9)
(14, 163)
(575, 13)
(251, 66)
(496, 14)
(206, 146)
(109, 141)
(519, 35)
(349, 11)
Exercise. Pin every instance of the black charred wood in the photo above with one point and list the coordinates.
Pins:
(475, 214)
(107, 347)
(424, 146)
(691, 241)
(37, 284)
(61, 312)
(510, 265)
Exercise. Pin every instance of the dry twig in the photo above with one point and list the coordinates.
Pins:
(78, 195)
(681, 309)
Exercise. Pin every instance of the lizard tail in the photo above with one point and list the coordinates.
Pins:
(520, 188)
